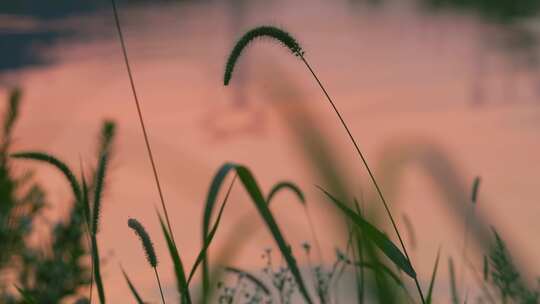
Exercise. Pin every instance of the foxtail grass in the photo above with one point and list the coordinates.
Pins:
(86, 205)
(292, 44)
(148, 248)
(376, 236)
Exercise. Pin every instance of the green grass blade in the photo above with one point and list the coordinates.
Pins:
(376, 236)
(433, 276)
(97, 270)
(132, 288)
(259, 200)
(260, 203)
(251, 278)
(202, 254)
(178, 266)
(85, 202)
(286, 186)
(61, 166)
(211, 198)
(86, 209)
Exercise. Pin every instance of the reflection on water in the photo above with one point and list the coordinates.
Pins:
(394, 70)
(28, 26)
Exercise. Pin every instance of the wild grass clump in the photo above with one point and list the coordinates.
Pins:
(90, 213)
(146, 242)
(289, 41)
(25, 268)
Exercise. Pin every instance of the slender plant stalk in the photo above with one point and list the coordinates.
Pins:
(364, 161)
(97, 271)
(139, 113)
(87, 220)
(159, 284)
(89, 239)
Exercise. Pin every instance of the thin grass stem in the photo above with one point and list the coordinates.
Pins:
(364, 161)
(87, 221)
(159, 284)
(139, 113)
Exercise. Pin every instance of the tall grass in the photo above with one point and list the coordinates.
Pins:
(291, 43)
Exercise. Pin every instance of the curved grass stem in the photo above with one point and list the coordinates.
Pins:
(141, 120)
(364, 161)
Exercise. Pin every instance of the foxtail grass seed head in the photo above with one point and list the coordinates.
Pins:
(12, 111)
(98, 191)
(108, 132)
(260, 32)
(147, 244)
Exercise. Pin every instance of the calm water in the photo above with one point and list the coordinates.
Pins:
(398, 73)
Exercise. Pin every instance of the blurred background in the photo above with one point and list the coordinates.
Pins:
(423, 84)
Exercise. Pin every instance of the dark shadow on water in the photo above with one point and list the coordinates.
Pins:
(18, 50)
(21, 47)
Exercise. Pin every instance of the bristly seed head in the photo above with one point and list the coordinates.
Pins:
(145, 240)
(260, 32)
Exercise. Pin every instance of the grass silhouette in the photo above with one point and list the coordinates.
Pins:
(368, 247)
(287, 40)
